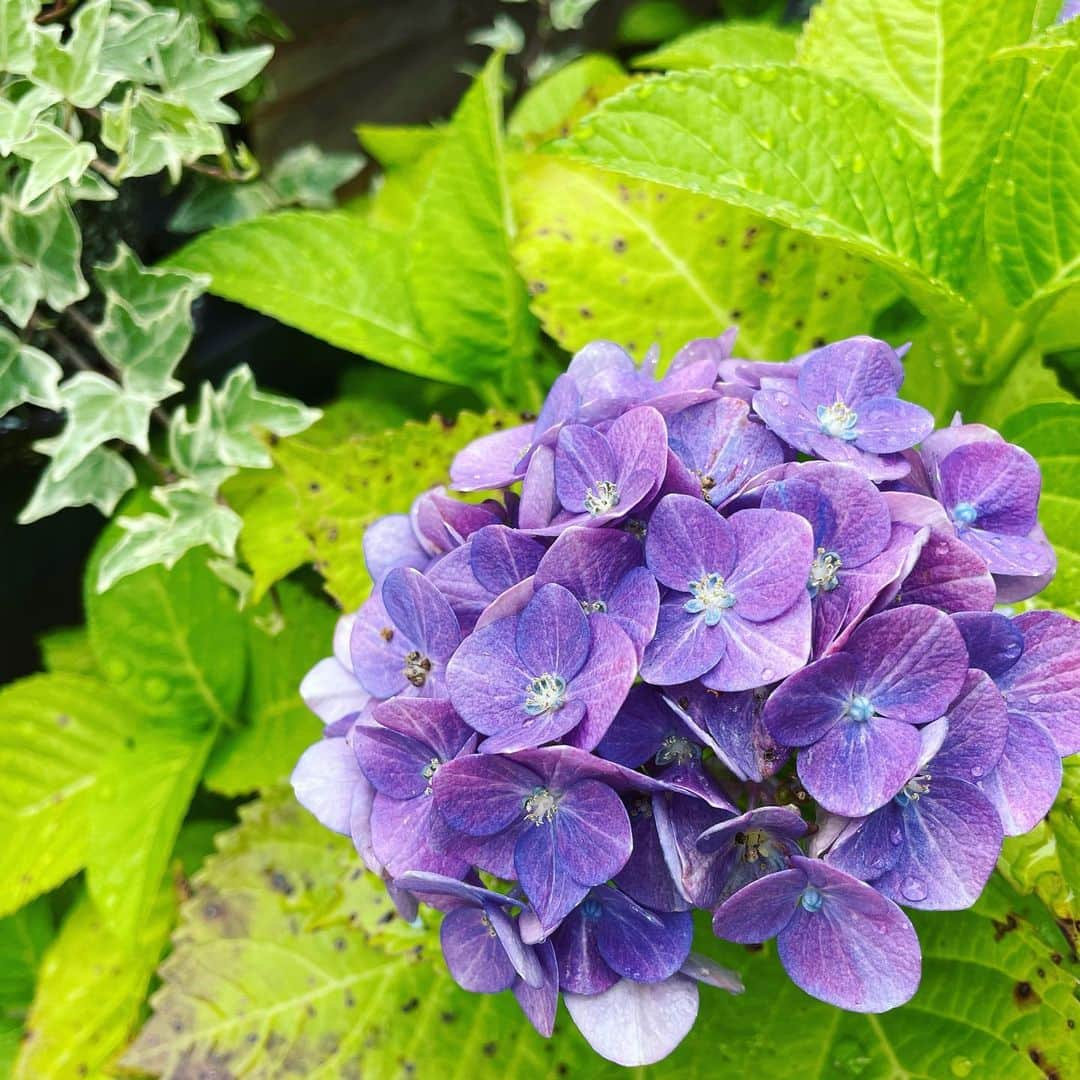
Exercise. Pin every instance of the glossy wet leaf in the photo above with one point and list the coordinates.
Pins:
(26, 375)
(101, 479)
(723, 43)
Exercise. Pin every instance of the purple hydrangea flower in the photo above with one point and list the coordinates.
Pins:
(605, 570)
(858, 548)
(838, 938)
(403, 637)
(723, 447)
(853, 712)
(331, 689)
(737, 613)
(550, 819)
(990, 490)
(844, 408)
(936, 842)
(548, 673)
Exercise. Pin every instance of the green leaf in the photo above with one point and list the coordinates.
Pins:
(1033, 202)
(210, 203)
(276, 725)
(739, 135)
(330, 274)
(546, 106)
(147, 325)
(149, 133)
(471, 303)
(24, 938)
(90, 993)
(638, 263)
(143, 792)
(918, 59)
(97, 410)
(66, 650)
(17, 117)
(101, 479)
(27, 374)
(192, 518)
(1046, 860)
(39, 257)
(199, 80)
(328, 491)
(1049, 433)
(393, 146)
(55, 156)
(741, 43)
(132, 34)
(17, 35)
(224, 433)
(170, 641)
(308, 176)
(72, 66)
(58, 729)
(503, 35)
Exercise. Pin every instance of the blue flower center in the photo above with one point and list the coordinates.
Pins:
(710, 595)
(541, 806)
(593, 607)
(677, 750)
(811, 900)
(601, 497)
(964, 513)
(591, 909)
(759, 847)
(860, 709)
(545, 694)
(838, 421)
(824, 572)
(429, 771)
(916, 787)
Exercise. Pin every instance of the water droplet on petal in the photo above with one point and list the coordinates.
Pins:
(977, 771)
(1034, 699)
(767, 673)
(913, 889)
(157, 689)
(895, 836)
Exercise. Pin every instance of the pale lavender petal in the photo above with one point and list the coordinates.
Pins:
(706, 970)
(787, 417)
(391, 542)
(687, 539)
(452, 575)
(604, 681)
(851, 371)
(638, 440)
(887, 424)
(858, 766)
(636, 1024)
(759, 653)
(1012, 556)
(474, 956)
(775, 549)
(911, 662)
(324, 781)
(539, 502)
(950, 843)
(359, 829)
(491, 460)
(378, 650)
(1027, 777)
(332, 692)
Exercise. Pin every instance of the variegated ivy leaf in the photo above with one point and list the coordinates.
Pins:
(100, 479)
(187, 74)
(132, 34)
(97, 410)
(149, 133)
(54, 156)
(20, 107)
(308, 176)
(39, 257)
(90, 187)
(72, 66)
(222, 436)
(26, 375)
(147, 325)
(192, 518)
(17, 35)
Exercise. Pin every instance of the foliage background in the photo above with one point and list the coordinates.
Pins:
(146, 843)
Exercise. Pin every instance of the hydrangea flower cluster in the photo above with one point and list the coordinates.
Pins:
(726, 641)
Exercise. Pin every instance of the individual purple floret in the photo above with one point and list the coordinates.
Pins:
(545, 674)
(858, 548)
(936, 842)
(839, 939)
(594, 477)
(411, 739)
(844, 408)
(402, 638)
(990, 490)
(723, 447)
(544, 818)
(737, 613)
(483, 949)
(330, 689)
(605, 570)
(853, 712)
